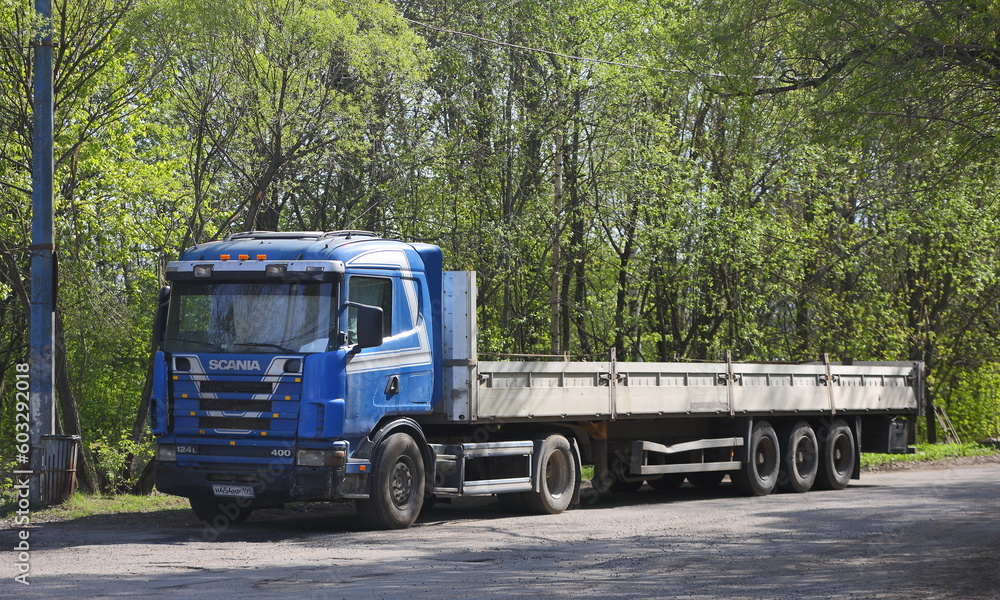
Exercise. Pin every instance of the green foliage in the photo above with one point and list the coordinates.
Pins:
(778, 179)
(973, 403)
(116, 458)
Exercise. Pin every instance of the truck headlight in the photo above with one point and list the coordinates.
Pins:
(320, 458)
(166, 452)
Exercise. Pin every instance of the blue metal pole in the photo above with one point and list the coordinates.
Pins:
(42, 339)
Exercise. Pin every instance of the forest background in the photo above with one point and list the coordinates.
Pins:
(672, 179)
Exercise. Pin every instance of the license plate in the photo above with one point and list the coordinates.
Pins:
(236, 491)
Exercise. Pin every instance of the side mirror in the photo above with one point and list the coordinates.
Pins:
(368, 322)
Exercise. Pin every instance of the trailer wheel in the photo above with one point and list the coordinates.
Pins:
(759, 474)
(219, 513)
(837, 457)
(397, 490)
(557, 478)
(800, 459)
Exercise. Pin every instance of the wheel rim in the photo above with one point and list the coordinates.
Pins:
(842, 454)
(765, 458)
(557, 474)
(805, 457)
(401, 483)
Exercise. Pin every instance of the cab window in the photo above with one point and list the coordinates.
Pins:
(373, 291)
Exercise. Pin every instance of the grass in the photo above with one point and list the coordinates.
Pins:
(927, 452)
(82, 505)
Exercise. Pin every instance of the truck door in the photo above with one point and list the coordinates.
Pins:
(395, 377)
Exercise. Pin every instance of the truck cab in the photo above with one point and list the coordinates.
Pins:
(280, 353)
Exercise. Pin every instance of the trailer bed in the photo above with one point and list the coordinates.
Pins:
(483, 391)
(619, 390)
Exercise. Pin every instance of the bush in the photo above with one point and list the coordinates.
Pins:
(973, 403)
(116, 460)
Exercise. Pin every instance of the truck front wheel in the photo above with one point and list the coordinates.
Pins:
(557, 478)
(397, 488)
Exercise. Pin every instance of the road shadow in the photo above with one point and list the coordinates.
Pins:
(896, 540)
(895, 545)
(305, 521)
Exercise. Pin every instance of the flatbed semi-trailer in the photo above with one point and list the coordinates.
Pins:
(341, 366)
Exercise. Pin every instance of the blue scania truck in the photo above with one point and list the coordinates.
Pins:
(335, 366)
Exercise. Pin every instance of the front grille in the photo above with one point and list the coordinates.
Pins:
(273, 467)
(233, 423)
(233, 405)
(236, 387)
(240, 451)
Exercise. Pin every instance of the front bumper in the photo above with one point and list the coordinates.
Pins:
(272, 486)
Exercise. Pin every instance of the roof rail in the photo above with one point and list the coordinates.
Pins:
(275, 235)
(350, 233)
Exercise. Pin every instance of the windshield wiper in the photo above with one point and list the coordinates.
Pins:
(190, 341)
(265, 344)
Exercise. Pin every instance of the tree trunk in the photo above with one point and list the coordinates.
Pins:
(146, 481)
(557, 209)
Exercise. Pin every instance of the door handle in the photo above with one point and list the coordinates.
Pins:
(392, 387)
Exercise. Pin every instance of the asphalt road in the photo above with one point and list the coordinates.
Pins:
(909, 535)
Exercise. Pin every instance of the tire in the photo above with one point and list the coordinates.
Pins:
(706, 479)
(397, 489)
(668, 483)
(759, 474)
(220, 513)
(557, 478)
(837, 457)
(799, 460)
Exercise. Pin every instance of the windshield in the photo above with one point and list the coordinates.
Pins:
(250, 317)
